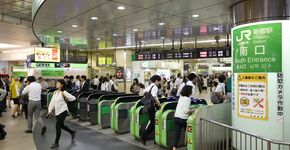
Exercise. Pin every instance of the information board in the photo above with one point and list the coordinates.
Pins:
(253, 96)
(257, 48)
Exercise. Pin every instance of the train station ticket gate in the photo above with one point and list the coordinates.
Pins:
(93, 107)
(139, 118)
(120, 120)
(166, 128)
(104, 104)
(83, 105)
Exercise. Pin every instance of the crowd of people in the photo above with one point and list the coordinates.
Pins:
(28, 97)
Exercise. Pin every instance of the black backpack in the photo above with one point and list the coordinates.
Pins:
(148, 100)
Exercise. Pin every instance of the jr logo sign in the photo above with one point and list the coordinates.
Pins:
(246, 34)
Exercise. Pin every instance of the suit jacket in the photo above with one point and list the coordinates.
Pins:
(85, 87)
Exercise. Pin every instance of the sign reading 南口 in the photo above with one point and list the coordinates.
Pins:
(257, 48)
(47, 54)
(253, 96)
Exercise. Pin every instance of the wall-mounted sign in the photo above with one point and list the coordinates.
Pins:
(257, 48)
(42, 65)
(47, 54)
(52, 72)
(120, 73)
(19, 73)
(253, 96)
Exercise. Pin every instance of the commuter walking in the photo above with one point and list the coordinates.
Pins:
(137, 87)
(77, 83)
(96, 82)
(105, 84)
(182, 113)
(3, 93)
(59, 105)
(178, 81)
(85, 84)
(2, 96)
(191, 78)
(24, 99)
(15, 88)
(152, 89)
(112, 86)
(33, 89)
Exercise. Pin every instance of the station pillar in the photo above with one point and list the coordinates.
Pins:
(261, 70)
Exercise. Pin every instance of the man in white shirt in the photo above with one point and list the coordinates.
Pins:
(153, 87)
(96, 82)
(220, 90)
(112, 86)
(34, 106)
(178, 81)
(191, 77)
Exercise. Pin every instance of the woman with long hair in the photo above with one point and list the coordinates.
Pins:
(59, 105)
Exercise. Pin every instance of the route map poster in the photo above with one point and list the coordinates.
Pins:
(253, 96)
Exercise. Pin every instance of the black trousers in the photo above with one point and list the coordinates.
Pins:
(25, 110)
(150, 125)
(178, 124)
(60, 125)
(73, 108)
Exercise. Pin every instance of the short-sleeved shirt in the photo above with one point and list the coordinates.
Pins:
(187, 83)
(154, 91)
(221, 88)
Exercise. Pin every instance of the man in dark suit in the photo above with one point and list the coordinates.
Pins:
(85, 84)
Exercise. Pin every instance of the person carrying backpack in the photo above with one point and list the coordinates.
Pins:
(151, 103)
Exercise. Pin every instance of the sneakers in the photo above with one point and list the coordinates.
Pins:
(73, 135)
(28, 131)
(54, 145)
(43, 130)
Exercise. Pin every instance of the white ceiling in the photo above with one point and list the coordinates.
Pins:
(143, 15)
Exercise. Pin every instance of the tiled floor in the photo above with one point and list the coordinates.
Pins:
(16, 139)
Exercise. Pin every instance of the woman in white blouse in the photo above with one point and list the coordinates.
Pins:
(59, 105)
(182, 112)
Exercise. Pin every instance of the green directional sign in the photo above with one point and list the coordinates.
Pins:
(257, 48)
(52, 72)
(19, 73)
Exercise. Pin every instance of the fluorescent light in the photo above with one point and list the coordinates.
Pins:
(161, 23)
(215, 28)
(115, 34)
(121, 8)
(94, 18)
(98, 39)
(4, 45)
(135, 30)
(212, 43)
(59, 31)
(47, 36)
(74, 26)
(162, 38)
(195, 15)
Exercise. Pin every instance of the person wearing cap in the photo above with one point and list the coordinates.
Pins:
(33, 89)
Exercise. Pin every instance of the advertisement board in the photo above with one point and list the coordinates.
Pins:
(47, 54)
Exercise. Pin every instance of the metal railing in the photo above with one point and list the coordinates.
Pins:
(218, 136)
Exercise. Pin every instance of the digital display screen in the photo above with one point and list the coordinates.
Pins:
(188, 54)
(202, 54)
